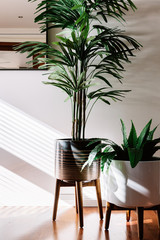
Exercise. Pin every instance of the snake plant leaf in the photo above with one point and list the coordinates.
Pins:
(151, 133)
(125, 140)
(132, 139)
(143, 135)
(135, 155)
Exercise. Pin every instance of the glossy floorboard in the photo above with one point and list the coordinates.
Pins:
(34, 223)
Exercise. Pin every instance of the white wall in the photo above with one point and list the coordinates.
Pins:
(45, 104)
(142, 77)
(27, 118)
(25, 90)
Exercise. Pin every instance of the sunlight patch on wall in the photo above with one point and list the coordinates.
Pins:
(17, 191)
(27, 138)
(33, 142)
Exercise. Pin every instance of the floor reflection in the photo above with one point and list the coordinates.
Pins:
(35, 223)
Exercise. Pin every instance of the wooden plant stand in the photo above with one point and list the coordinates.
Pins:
(78, 196)
(139, 211)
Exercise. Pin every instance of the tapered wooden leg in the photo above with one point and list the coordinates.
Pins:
(56, 197)
(80, 202)
(99, 198)
(76, 203)
(128, 215)
(140, 221)
(108, 214)
(158, 214)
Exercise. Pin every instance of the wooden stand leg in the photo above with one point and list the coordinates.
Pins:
(128, 215)
(56, 197)
(140, 222)
(158, 213)
(108, 214)
(99, 199)
(80, 202)
(76, 203)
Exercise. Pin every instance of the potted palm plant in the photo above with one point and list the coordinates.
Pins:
(82, 64)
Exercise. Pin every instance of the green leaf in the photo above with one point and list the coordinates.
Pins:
(86, 52)
(105, 101)
(125, 140)
(151, 133)
(93, 154)
(77, 7)
(107, 158)
(81, 78)
(80, 18)
(135, 155)
(143, 135)
(132, 139)
(104, 79)
(92, 94)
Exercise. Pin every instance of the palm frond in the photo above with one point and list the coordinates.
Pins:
(90, 53)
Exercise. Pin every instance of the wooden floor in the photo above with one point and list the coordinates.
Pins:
(34, 223)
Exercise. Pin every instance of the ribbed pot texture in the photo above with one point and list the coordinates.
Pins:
(69, 158)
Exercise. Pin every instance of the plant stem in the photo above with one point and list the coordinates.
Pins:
(77, 116)
(84, 112)
(80, 114)
(73, 116)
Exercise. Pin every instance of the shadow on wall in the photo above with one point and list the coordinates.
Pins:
(27, 162)
(27, 138)
(26, 157)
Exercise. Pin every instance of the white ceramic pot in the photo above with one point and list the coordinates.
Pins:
(130, 187)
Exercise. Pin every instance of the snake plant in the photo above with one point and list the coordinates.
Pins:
(84, 62)
(134, 148)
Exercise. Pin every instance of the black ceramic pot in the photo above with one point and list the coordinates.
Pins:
(70, 156)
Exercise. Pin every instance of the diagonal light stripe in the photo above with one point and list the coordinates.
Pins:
(27, 138)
